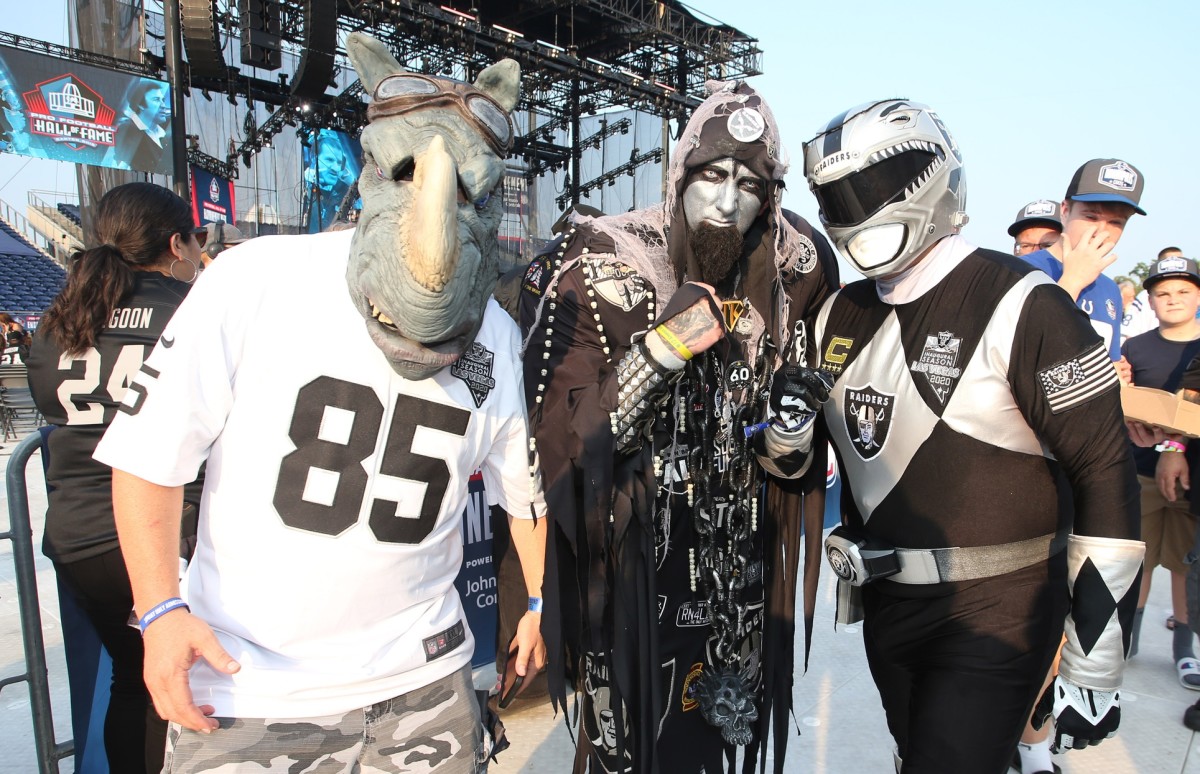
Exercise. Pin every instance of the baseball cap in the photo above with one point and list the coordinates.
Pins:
(1108, 180)
(1175, 267)
(224, 234)
(1043, 212)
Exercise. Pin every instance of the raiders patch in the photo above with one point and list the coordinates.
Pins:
(938, 361)
(746, 124)
(618, 284)
(442, 643)
(475, 368)
(868, 415)
(806, 254)
(535, 277)
(662, 605)
(1078, 380)
(600, 715)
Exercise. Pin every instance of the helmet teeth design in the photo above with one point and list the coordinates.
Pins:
(890, 163)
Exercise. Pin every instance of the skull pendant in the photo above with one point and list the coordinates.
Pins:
(728, 704)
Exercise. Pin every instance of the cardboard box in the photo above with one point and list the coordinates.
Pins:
(1161, 408)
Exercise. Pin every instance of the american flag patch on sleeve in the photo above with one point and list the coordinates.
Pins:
(1078, 380)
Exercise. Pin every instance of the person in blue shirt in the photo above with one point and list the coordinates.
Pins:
(1103, 195)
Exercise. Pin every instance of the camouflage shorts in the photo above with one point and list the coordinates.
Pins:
(431, 729)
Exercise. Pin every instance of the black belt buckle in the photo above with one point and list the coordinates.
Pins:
(859, 559)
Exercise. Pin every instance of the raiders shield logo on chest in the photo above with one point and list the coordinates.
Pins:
(868, 414)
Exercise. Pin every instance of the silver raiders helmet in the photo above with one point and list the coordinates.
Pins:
(888, 178)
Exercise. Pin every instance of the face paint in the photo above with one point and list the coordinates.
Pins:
(723, 193)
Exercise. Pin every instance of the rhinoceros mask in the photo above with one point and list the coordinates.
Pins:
(425, 257)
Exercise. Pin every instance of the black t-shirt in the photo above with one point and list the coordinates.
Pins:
(80, 397)
(1159, 363)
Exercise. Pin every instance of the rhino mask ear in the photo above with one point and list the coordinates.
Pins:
(371, 59)
(501, 82)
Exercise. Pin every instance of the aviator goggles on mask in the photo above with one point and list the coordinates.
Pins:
(408, 92)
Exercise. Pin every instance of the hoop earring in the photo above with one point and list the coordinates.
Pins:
(188, 261)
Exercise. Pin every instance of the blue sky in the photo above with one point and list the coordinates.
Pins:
(1030, 91)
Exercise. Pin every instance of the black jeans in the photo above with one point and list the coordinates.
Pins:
(134, 735)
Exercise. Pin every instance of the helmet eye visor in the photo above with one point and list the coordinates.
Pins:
(850, 200)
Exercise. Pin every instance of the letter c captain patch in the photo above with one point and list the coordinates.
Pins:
(836, 353)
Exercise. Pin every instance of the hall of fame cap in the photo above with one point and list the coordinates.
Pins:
(1108, 180)
(1043, 212)
(1175, 267)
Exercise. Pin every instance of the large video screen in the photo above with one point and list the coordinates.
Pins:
(51, 108)
(332, 161)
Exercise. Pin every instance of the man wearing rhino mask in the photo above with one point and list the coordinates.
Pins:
(324, 629)
(666, 380)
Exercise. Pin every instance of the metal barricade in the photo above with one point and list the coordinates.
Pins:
(20, 532)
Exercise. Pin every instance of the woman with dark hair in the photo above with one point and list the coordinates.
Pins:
(118, 297)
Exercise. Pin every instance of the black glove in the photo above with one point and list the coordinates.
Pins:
(1082, 716)
(797, 393)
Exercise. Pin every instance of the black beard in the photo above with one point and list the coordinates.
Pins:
(717, 251)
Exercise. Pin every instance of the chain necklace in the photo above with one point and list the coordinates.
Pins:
(724, 537)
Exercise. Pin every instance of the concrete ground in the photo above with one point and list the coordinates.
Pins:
(840, 723)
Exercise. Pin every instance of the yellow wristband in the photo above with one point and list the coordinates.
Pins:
(674, 341)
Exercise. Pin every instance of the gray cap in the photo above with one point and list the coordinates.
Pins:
(1043, 212)
(224, 234)
(1175, 267)
(1108, 180)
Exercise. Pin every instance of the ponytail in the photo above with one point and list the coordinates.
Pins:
(134, 226)
(97, 281)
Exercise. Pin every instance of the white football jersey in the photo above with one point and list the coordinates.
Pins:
(329, 527)
(1138, 317)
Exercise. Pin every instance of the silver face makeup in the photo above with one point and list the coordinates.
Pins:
(723, 193)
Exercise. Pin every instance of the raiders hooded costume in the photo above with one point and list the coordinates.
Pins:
(622, 556)
(975, 408)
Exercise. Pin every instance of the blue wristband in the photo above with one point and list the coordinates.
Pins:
(535, 604)
(159, 610)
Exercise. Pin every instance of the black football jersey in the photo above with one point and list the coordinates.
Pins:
(80, 395)
(984, 411)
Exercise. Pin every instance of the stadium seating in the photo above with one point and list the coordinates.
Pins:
(71, 211)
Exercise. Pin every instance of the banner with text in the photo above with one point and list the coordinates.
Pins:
(476, 581)
(212, 198)
(52, 108)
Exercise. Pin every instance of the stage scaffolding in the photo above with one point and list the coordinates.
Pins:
(606, 84)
